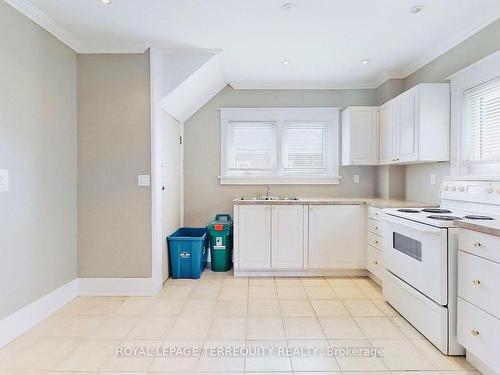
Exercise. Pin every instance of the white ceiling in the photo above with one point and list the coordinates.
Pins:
(325, 40)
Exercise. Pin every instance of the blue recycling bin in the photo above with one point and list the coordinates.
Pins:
(188, 251)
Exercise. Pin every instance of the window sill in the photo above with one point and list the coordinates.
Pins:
(279, 181)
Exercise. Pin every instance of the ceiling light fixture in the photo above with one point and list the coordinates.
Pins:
(365, 61)
(107, 2)
(285, 62)
(288, 6)
(416, 9)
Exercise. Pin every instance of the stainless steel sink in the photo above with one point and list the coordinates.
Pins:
(270, 198)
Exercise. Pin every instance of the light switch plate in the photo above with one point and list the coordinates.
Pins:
(356, 178)
(4, 180)
(143, 180)
(433, 179)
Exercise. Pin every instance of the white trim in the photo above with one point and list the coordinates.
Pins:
(475, 74)
(279, 181)
(90, 48)
(39, 17)
(156, 68)
(304, 272)
(25, 318)
(116, 286)
(329, 116)
(242, 85)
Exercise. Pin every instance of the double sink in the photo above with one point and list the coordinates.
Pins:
(269, 198)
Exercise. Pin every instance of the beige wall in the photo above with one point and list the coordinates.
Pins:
(204, 196)
(114, 214)
(38, 147)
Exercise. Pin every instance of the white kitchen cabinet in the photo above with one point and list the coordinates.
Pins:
(387, 133)
(415, 126)
(407, 137)
(287, 250)
(360, 138)
(334, 237)
(254, 237)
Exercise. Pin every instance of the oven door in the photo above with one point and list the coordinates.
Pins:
(417, 254)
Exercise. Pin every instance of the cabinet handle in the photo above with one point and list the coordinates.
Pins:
(376, 242)
(477, 244)
(476, 282)
(474, 332)
(376, 228)
(375, 262)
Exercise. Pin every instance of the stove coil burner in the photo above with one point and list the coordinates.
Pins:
(444, 217)
(437, 210)
(409, 210)
(478, 217)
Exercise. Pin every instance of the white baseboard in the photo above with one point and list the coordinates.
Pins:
(23, 319)
(116, 287)
(300, 273)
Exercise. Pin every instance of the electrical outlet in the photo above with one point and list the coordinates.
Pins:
(356, 178)
(4, 180)
(433, 179)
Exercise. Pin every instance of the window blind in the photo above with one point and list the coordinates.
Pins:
(482, 123)
(306, 149)
(252, 146)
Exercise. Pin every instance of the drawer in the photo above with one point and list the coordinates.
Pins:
(374, 262)
(374, 240)
(481, 244)
(479, 333)
(375, 226)
(374, 213)
(478, 281)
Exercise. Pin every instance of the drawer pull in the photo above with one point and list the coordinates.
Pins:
(476, 282)
(376, 228)
(474, 332)
(375, 262)
(477, 244)
(376, 242)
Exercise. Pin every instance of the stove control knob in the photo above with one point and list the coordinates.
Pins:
(489, 189)
(461, 189)
(446, 188)
(453, 188)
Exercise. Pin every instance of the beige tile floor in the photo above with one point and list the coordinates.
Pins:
(219, 311)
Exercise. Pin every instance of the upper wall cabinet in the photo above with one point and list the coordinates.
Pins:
(415, 126)
(360, 139)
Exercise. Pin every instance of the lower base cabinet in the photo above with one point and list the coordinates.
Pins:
(298, 237)
(287, 237)
(254, 237)
(335, 237)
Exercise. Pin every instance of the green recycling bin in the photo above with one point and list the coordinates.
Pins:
(220, 231)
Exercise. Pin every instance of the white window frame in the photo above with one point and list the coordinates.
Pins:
(476, 74)
(280, 116)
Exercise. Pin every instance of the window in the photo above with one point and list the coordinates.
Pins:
(279, 146)
(481, 130)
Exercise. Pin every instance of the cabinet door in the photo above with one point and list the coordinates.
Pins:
(287, 236)
(364, 136)
(387, 133)
(334, 237)
(254, 237)
(407, 149)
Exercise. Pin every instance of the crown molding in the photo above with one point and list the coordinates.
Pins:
(241, 85)
(34, 13)
(90, 48)
(444, 47)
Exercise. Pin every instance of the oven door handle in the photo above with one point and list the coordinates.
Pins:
(406, 223)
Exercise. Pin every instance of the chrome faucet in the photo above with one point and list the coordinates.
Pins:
(268, 193)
